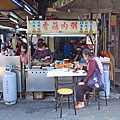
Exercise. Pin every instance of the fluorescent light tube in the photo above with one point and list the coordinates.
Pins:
(13, 15)
(28, 11)
(16, 2)
(27, 8)
(13, 20)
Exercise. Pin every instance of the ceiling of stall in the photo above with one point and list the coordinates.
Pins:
(17, 7)
(41, 9)
(7, 7)
(63, 15)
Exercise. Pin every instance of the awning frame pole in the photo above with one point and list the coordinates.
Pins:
(28, 45)
(96, 43)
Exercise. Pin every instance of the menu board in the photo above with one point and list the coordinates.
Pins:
(58, 26)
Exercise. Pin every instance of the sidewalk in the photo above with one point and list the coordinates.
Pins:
(45, 110)
(114, 94)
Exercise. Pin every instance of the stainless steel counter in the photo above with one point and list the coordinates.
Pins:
(37, 80)
(14, 61)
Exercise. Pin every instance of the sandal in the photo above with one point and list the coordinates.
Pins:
(85, 98)
(78, 106)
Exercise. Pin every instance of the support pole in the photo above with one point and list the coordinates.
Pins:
(103, 35)
(109, 30)
(105, 32)
(96, 43)
(29, 47)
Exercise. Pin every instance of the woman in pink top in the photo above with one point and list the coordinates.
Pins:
(24, 53)
(82, 87)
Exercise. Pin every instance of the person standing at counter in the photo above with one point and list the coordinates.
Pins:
(80, 42)
(41, 40)
(80, 55)
(69, 49)
(19, 43)
(6, 46)
(82, 86)
(43, 53)
(24, 53)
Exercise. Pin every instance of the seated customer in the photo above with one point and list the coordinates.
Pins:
(42, 53)
(82, 87)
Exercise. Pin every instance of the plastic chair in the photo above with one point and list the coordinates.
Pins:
(96, 96)
(65, 92)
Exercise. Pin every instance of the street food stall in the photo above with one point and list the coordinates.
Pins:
(36, 74)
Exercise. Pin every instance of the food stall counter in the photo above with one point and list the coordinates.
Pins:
(36, 80)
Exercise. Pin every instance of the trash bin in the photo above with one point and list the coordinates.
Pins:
(106, 67)
(9, 86)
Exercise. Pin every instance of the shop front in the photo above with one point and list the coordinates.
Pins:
(51, 31)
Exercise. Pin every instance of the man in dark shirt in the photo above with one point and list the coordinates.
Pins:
(69, 50)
